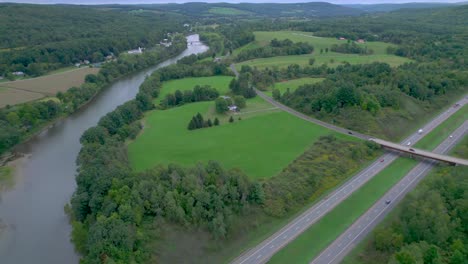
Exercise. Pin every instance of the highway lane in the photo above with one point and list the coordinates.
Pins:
(265, 250)
(336, 251)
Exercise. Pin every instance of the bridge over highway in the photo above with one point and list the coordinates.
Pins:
(419, 152)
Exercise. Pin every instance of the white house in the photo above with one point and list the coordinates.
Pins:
(135, 51)
(18, 73)
(233, 108)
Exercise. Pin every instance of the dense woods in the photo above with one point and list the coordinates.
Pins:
(44, 38)
(197, 94)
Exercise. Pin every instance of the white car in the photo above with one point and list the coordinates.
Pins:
(409, 143)
(450, 136)
(420, 131)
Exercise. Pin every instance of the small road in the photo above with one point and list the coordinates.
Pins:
(266, 249)
(336, 251)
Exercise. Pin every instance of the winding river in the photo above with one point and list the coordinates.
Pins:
(35, 227)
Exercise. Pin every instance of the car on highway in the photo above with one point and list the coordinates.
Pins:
(450, 136)
(382, 160)
(409, 143)
(388, 201)
(349, 132)
(411, 149)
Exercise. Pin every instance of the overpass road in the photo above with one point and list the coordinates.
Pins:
(267, 248)
(336, 251)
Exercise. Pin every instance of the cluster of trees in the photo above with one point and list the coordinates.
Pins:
(242, 85)
(198, 94)
(19, 122)
(431, 227)
(44, 38)
(351, 48)
(198, 122)
(199, 69)
(226, 38)
(324, 165)
(222, 104)
(115, 211)
(276, 48)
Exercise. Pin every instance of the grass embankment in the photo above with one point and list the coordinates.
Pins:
(443, 131)
(293, 84)
(250, 144)
(332, 59)
(220, 83)
(309, 244)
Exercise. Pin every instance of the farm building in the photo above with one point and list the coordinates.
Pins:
(135, 51)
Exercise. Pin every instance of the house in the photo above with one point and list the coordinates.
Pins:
(86, 62)
(186, 25)
(341, 38)
(135, 51)
(18, 73)
(225, 97)
(77, 65)
(361, 41)
(233, 108)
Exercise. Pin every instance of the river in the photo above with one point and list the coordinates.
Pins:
(36, 229)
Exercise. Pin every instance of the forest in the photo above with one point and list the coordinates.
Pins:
(44, 38)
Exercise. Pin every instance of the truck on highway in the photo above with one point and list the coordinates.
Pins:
(420, 131)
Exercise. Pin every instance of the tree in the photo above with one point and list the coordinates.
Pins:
(239, 101)
(216, 121)
(231, 119)
(13, 118)
(221, 105)
(276, 94)
(311, 61)
(209, 123)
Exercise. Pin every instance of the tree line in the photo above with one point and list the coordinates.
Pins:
(276, 48)
(199, 93)
(352, 48)
(198, 122)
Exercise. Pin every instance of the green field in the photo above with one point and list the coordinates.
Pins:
(251, 144)
(332, 59)
(227, 11)
(220, 83)
(443, 131)
(310, 243)
(293, 84)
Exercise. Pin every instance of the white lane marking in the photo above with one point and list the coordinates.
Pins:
(285, 236)
(272, 246)
(259, 256)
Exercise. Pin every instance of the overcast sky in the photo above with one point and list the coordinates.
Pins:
(217, 1)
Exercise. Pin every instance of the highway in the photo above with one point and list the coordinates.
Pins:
(336, 251)
(266, 249)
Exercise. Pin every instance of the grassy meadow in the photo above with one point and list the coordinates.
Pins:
(252, 144)
(332, 59)
(220, 83)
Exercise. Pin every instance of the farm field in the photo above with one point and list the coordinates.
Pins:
(220, 83)
(10, 96)
(272, 135)
(293, 84)
(332, 59)
(227, 11)
(310, 243)
(31, 89)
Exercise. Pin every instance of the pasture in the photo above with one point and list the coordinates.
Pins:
(251, 144)
(227, 11)
(22, 91)
(332, 59)
(220, 83)
(293, 84)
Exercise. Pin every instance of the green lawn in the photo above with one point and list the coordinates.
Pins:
(332, 59)
(261, 144)
(220, 83)
(227, 11)
(293, 84)
(440, 133)
(315, 239)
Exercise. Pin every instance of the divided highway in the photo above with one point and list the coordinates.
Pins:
(265, 250)
(336, 251)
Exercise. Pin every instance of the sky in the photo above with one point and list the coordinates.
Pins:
(217, 1)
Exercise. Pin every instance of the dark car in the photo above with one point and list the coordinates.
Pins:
(388, 201)
(411, 149)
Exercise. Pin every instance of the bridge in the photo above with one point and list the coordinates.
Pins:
(419, 152)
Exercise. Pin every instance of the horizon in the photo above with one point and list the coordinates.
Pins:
(139, 2)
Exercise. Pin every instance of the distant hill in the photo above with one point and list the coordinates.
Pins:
(392, 7)
(313, 9)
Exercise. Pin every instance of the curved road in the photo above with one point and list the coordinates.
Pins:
(336, 251)
(265, 250)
